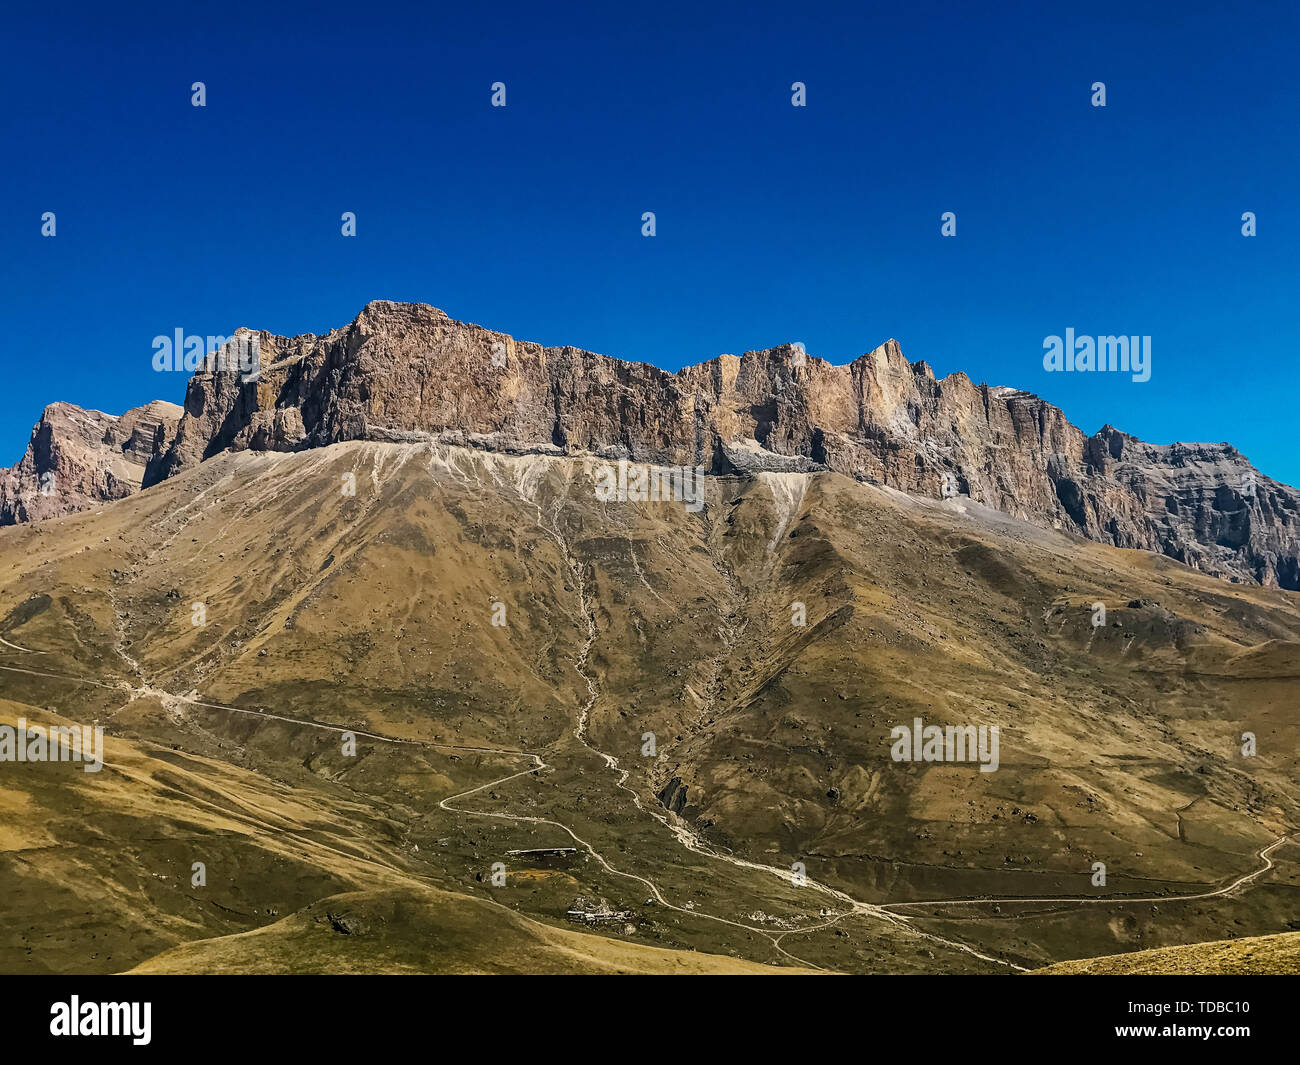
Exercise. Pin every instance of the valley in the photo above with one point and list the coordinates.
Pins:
(372, 615)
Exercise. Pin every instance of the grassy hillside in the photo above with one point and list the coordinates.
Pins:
(498, 640)
(1252, 956)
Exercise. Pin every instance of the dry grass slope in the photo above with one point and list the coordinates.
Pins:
(1277, 955)
(326, 612)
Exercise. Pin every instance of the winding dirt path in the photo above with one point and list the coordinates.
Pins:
(25, 650)
(1264, 854)
(681, 831)
(525, 486)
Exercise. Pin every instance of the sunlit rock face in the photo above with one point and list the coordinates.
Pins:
(408, 372)
(77, 459)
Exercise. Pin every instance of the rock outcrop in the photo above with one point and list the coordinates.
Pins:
(408, 372)
(77, 459)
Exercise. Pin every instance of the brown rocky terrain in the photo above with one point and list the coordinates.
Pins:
(77, 459)
(502, 641)
(408, 372)
(373, 633)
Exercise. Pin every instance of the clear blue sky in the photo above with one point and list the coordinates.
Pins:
(819, 224)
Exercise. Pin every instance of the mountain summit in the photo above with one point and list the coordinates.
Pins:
(357, 681)
(407, 372)
(77, 459)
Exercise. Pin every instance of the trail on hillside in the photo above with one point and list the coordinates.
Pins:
(684, 834)
(680, 831)
(1263, 854)
(528, 475)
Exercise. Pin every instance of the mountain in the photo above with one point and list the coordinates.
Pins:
(376, 652)
(501, 642)
(408, 372)
(77, 459)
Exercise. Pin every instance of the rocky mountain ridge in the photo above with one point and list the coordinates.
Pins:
(408, 372)
(77, 459)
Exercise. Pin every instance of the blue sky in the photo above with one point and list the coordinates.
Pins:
(775, 223)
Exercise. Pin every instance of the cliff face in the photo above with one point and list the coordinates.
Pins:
(408, 372)
(77, 459)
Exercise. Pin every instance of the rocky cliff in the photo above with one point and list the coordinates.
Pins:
(77, 459)
(406, 372)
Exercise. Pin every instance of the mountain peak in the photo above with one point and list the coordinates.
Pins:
(407, 372)
(391, 310)
(77, 459)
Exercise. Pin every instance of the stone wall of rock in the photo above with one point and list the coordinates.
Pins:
(77, 459)
(409, 372)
